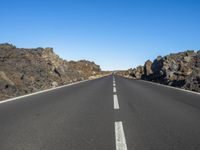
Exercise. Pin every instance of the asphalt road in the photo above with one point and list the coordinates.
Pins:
(94, 115)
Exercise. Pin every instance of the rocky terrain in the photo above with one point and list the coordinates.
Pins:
(125, 73)
(178, 70)
(24, 71)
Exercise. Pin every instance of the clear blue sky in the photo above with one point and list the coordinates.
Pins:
(116, 34)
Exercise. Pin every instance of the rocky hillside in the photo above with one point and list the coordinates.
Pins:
(24, 71)
(179, 70)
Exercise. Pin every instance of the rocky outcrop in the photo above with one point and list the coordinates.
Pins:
(24, 71)
(179, 70)
(137, 72)
(85, 68)
(147, 68)
(125, 73)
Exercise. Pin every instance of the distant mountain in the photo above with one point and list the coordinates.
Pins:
(178, 70)
(24, 71)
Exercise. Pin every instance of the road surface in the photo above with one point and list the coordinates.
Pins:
(109, 113)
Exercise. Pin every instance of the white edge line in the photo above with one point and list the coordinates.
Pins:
(168, 86)
(115, 101)
(47, 90)
(120, 136)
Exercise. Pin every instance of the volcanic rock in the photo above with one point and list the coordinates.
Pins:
(24, 71)
(179, 70)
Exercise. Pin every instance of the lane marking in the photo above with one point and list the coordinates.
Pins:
(47, 90)
(114, 89)
(120, 136)
(115, 101)
(114, 84)
(171, 87)
(167, 86)
(113, 79)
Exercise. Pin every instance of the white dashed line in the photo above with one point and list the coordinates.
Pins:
(119, 131)
(120, 136)
(114, 89)
(115, 101)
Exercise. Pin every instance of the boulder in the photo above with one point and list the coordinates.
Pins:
(6, 85)
(54, 84)
(138, 72)
(147, 68)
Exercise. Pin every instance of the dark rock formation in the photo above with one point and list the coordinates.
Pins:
(125, 73)
(24, 71)
(147, 68)
(179, 70)
(137, 72)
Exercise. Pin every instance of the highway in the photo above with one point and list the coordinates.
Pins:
(108, 113)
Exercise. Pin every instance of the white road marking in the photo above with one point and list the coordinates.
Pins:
(114, 89)
(114, 84)
(47, 90)
(168, 86)
(120, 136)
(171, 87)
(115, 101)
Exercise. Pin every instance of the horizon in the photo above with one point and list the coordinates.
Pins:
(115, 35)
(97, 63)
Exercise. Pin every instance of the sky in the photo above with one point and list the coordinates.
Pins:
(116, 34)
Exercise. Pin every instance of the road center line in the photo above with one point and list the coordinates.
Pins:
(120, 136)
(114, 89)
(115, 101)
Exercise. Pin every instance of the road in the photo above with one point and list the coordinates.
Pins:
(109, 113)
